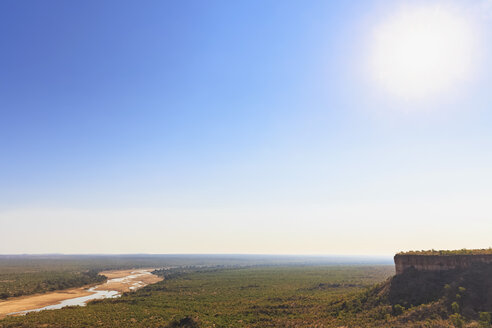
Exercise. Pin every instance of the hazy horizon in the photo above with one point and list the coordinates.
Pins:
(208, 254)
(245, 127)
(160, 260)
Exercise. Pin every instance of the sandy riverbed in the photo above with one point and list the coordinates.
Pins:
(127, 280)
(118, 280)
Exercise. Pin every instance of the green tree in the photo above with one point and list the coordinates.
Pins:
(398, 309)
(457, 320)
(485, 319)
(455, 307)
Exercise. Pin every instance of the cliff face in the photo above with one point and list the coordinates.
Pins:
(438, 262)
(470, 287)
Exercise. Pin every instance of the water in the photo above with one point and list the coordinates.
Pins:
(77, 301)
(97, 294)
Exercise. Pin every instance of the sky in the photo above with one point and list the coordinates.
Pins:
(255, 127)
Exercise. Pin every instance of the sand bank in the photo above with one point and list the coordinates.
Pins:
(119, 281)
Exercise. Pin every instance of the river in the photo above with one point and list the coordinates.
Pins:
(118, 282)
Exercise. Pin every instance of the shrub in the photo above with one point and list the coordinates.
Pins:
(457, 320)
(455, 307)
(398, 309)
(185, 322)
(485, 319)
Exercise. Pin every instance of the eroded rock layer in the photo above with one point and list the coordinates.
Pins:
(438, 262)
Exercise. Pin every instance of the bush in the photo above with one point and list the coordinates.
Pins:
(186, 322)
(485, 319)
(455, 307)
(457, 320)
(398, 309)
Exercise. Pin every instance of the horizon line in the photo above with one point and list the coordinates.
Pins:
(221, 254)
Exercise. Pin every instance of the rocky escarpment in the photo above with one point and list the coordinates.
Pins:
(470, 288)
(438, 262)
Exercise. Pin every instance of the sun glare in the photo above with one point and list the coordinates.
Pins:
(421, 52)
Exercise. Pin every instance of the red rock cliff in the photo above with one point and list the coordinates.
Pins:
(438, 262)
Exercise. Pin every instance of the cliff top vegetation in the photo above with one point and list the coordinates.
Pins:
(464, 251)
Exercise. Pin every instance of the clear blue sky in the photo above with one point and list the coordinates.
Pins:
(232, 127)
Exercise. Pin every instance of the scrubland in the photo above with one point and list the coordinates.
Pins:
(211, 295)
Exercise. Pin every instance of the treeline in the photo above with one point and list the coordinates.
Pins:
(30, 274)
(177, 272)
(25, 283)
(464, 251)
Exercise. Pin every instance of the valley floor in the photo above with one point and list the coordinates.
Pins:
(118, 281)
(297, 296)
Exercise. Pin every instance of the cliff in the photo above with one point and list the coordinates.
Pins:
(438, 262)
(470, 288)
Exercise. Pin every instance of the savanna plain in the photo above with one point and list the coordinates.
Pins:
(195, 291)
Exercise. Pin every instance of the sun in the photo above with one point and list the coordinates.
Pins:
(422, 52)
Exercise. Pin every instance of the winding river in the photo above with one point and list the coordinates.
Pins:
(119, 282)
(77, 301)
